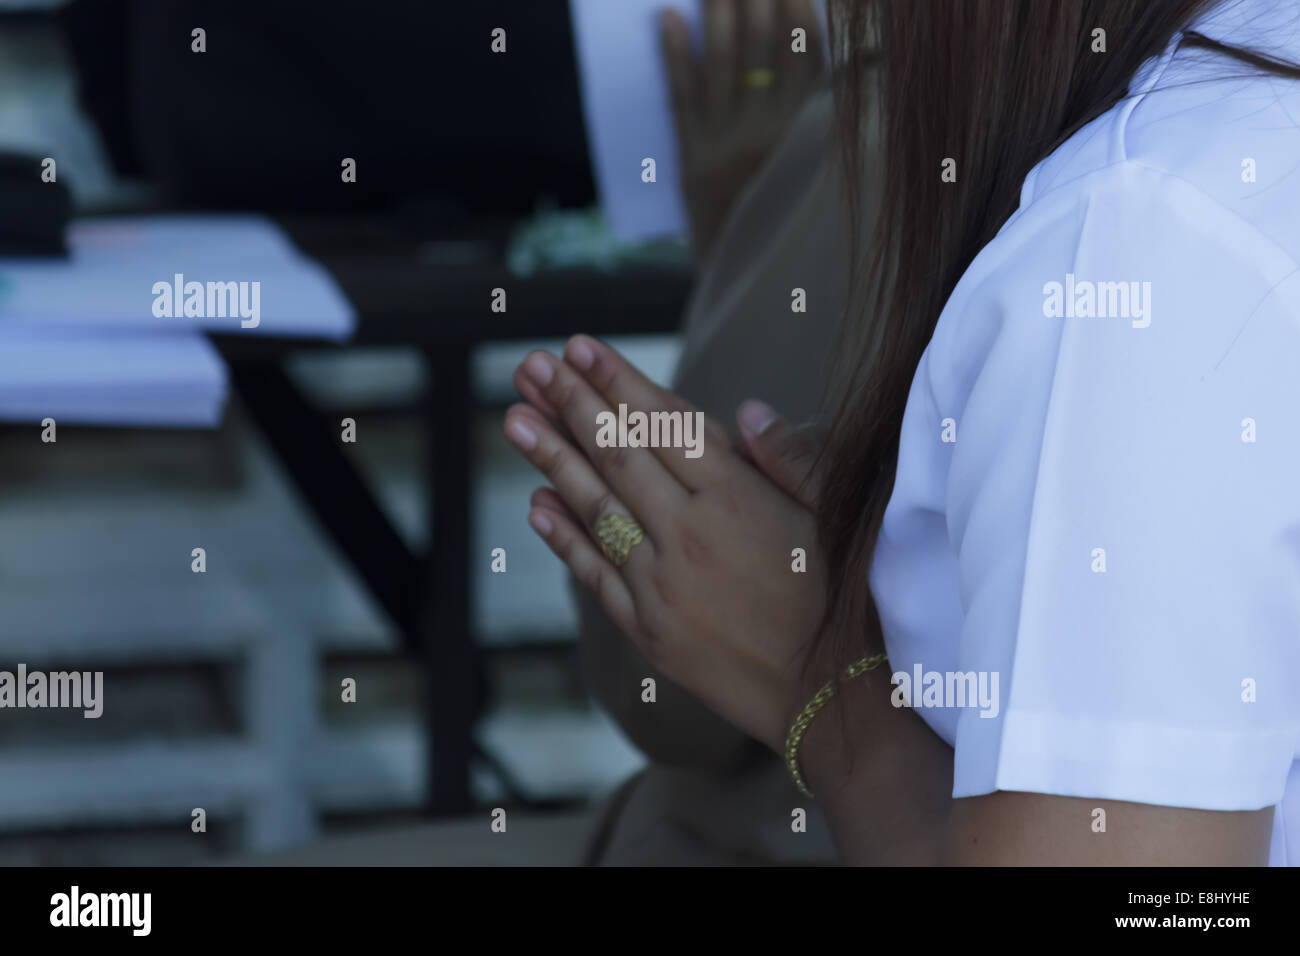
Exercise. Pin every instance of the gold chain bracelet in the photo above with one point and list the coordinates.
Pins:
(800, 725)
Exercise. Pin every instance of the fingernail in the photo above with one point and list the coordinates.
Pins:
(522, 436)
(540, 522)
(755, 416)
(580, 354)
(539, 370)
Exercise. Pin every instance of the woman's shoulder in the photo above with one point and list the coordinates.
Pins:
(1131, 256)
(1194, 181)
(1171, 220)
(1199, 122)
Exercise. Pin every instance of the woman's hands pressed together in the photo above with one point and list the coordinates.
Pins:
(710, 594)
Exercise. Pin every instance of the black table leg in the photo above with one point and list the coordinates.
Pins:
(453, 677)
(308, 448)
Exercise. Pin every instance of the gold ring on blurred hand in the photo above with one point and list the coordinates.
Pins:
(618, 536)
(759, 78)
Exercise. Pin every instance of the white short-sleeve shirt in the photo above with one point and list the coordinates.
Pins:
(1096, 512)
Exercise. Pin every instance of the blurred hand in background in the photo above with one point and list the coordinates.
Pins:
(734, 102)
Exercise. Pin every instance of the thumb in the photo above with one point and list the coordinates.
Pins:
(784, 453)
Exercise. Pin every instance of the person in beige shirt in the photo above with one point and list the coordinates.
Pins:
(710, 794)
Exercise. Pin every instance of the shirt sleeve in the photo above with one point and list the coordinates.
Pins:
(1123, 501)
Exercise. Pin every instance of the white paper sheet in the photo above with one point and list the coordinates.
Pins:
(109, 280)
(629, 112)
(629, 115)
(79, 340)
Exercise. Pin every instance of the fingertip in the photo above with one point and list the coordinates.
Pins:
(520, 433)
(755, 417)
(539, 368)
(580, 352)
(541, 522)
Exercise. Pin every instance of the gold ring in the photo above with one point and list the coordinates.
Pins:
(618, 536)
(759, 78)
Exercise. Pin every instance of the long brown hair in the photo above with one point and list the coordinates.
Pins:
(995, 85)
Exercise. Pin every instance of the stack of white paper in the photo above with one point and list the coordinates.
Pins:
(87, 377)
(113, 335)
